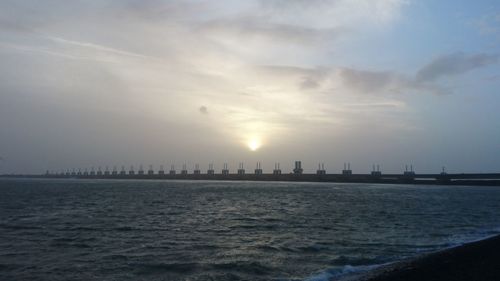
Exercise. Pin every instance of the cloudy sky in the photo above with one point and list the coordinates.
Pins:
(121, 82)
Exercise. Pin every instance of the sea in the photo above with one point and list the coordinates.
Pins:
(70, 229)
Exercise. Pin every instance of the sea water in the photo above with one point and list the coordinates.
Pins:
(215, 230)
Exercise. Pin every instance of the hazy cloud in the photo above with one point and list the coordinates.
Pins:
(352, 80)
(76, 76)
(488, 24)
(251, 29)
(493, 78)
(426, 79)
(203, 109)
(372, 81)
(345, 12)
(13, 26)
(453, 64)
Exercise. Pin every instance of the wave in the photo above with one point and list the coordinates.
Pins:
(124, 228)
(19, 227)
(154, 268)
(65, 245)
(356, 266)
(244, 267)
(78, 228)
(356, 261)
(337, 273)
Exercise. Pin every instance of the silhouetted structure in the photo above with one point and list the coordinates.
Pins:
(258, 169)
(241, 170)
(443, 171)
(409, 175)
(211, 170)
(376, 172)
(122, 171)
(443, 176)
(277, 170)
(298, 168)
(184, 170)
(321, 169)
(225, 170)
(151, 171)
(409, 172)
(347, 170)
(172, 170)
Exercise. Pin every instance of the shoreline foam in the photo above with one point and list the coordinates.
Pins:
(474, 261)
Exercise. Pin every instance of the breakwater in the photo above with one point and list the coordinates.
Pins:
(441, 179)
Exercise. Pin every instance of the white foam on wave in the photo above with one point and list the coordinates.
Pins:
(454, 241)
(462, 239)
(335, 273)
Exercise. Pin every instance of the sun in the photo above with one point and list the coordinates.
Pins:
(254, 144)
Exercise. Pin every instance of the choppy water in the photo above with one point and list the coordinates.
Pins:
(187, 230)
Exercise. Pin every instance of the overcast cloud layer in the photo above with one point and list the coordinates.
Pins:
(104, 83)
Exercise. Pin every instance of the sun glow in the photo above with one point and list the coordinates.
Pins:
(254, 144)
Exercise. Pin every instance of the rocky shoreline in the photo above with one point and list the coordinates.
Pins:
(476, 261)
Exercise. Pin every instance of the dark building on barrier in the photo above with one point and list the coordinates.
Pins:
(122, 171)
(172, 170)
(321, 169)
(409, 175)
(141, 171)
(131, 171)
(211, 170)
(277, 170)
(376, 172)
(99, 171)
(184, 170)
(107, 172)
(161, 171)
(347, 170)
(225, 170)
(298, 168)
(443, 176)
(241, 170)
(151, 171)
(197, 170)
(114, 172)
(443, 172)
(258, 169)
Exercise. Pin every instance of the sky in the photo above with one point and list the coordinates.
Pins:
(89, 83)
